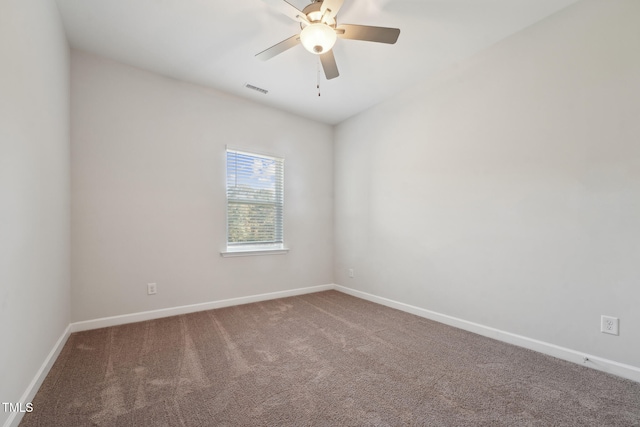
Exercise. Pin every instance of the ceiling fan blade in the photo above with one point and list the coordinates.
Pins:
(329, 65)
(366, 33)
(331, 7)
(288, 9)
(279, 48)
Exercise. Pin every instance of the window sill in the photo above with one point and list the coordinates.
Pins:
(253, 252)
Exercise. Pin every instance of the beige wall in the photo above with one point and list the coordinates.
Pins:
(34, 190)
(506, 191)
(148, 192)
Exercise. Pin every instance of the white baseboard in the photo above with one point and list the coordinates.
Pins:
(15, 417)
(594, 362)
(184, 309)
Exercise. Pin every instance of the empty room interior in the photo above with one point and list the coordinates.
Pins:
(210, 217)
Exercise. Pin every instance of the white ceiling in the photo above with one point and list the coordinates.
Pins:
(213, 43)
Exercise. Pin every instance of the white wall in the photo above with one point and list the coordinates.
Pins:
(506, 191)
(34, 190)
(148, 192)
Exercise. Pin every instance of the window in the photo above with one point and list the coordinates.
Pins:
(255, 202)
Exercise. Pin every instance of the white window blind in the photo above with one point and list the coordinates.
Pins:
(255, 201)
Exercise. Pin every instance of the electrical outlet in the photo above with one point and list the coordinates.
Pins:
(151, 288)
(351, 273)
(609, 325)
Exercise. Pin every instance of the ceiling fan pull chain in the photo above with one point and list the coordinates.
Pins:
(318, 77)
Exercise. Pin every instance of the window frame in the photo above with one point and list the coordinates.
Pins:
(255, 248)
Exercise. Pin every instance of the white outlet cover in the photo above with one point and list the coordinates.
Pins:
(151, 288)
(609, 325)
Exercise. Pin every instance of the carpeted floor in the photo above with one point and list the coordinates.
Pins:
(325, 359)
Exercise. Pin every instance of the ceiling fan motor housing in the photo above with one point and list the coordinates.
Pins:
(314, 15)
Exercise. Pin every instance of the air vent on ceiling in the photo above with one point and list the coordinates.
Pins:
(256, 88)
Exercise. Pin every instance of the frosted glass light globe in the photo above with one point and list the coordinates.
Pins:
(318, 38)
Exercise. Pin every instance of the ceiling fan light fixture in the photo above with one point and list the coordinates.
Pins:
(318, 38)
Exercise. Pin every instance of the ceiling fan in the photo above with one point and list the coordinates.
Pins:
(320, 31)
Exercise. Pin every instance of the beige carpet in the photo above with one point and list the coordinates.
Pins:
(325, 359)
